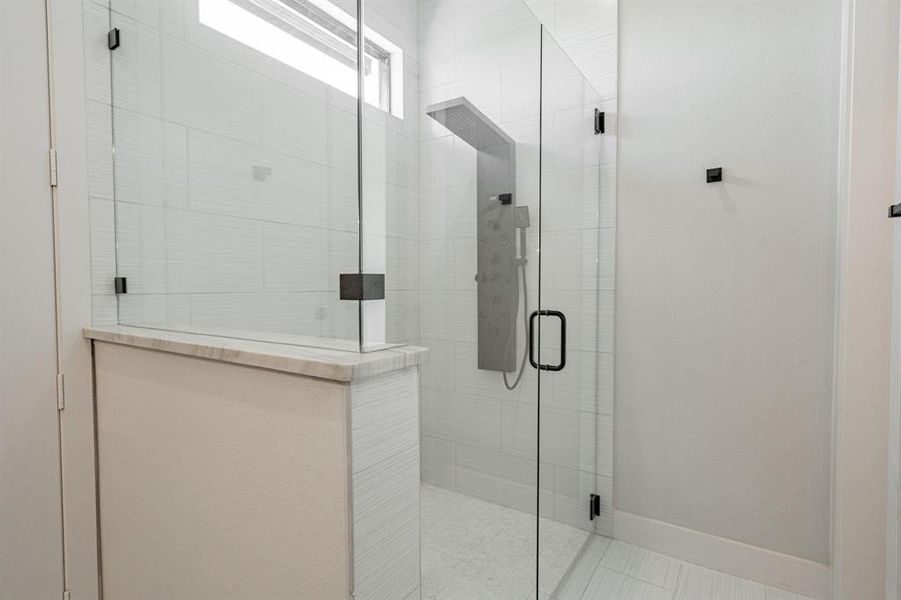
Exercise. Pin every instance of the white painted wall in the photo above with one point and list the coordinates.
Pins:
(31, 534)
(893, 508)
(864, 298)
(725, 292)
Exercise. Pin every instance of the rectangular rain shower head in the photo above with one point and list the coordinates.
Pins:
(469, 124)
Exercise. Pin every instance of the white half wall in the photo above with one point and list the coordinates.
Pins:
(725, 292)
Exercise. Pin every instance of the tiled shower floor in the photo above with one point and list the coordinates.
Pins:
(477, 550)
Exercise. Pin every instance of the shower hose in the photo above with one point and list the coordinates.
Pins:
(525, 323)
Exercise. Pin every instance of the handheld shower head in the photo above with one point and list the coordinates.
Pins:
(521, 222)
(521, 217)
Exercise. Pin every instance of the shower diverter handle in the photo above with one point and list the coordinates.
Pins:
(548, 313)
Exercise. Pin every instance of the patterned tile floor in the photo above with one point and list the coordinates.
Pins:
(476, 550)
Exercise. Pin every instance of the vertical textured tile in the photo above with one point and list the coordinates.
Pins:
(610, 585)
(141, 242)
(293, 123)
(100, 150)
(104, 310)
(211, 253)
(96, 53)
(642, 564)
(296, 258)
(698, 583)
(136, 65)
(257, 314)
(386, 485)
(604, 436)
(438, 462)
(233, 178)
(151, 160)
(103, 245)
(584, 566)
(204, 91)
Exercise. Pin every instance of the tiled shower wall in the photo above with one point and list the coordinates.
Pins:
(204, 243)
(478, 438)
(235, 178)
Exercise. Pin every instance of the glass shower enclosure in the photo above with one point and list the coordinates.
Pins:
(356, 174)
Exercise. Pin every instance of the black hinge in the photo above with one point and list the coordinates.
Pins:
(598, 121)
(112, 38)
(594, 506)
(894, 211)
(121, 285)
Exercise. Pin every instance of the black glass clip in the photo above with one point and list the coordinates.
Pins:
(598, 121)
(112, 38)
(362, 286)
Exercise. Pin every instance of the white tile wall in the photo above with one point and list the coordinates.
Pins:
(246, 170)
(386, 479)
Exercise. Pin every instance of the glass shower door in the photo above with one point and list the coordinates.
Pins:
(478, 116)
(573, 440)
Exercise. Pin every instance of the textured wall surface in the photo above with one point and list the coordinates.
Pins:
(235, 179)
(386, 516)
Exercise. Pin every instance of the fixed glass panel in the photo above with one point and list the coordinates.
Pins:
(234, 186)
(478, 112)
(575, 444)
(390, 175)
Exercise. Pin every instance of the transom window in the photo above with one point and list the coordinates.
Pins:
(317, 38)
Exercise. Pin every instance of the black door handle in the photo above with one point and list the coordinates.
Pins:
(548, 313)
(894, 211)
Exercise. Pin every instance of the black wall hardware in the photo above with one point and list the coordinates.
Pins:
(548, 313)
(894, 211)
(594, 506)
(598, 121)
(120, 284)
(362, 286)
(714, 175)
(112, 38)
(505, 198)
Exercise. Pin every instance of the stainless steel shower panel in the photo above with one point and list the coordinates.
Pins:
(497, 281)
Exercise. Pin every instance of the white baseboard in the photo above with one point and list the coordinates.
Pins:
(727, 556)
